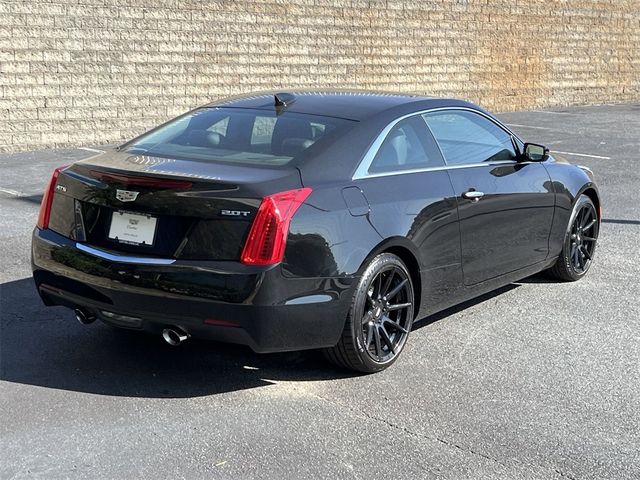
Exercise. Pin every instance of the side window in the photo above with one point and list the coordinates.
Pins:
(466, 137)
(318, 130)
(220, 127)
(263, 130)
(405, 148)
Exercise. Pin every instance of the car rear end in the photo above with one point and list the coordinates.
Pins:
(187, 232)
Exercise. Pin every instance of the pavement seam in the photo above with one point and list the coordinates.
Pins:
(382, 420)
(564, 475)
(440, 440)
(406, 430)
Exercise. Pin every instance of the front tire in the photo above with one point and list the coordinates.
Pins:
(380, 317)
(579, 243)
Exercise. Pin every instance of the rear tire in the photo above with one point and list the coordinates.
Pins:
(379, 320)
(579, 242)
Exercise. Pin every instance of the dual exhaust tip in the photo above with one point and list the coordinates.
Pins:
(174, 336)
(85, 317)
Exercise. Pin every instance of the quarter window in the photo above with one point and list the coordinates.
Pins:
(405, 148)
(466, 137)
(220, 127)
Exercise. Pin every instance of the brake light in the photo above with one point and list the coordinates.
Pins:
(47, 199)
(134, 181)
(268, 235)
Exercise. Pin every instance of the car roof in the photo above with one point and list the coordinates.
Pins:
(352, 105)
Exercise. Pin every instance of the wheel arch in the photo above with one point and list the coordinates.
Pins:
(564, 268)
(591, 192)
(403, 249)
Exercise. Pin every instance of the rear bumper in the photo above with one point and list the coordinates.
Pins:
(224, 301)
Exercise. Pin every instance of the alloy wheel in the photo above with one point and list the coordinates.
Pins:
(583, 236)
(388, 314)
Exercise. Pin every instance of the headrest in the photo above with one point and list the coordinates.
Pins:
(293, 146)
(401, 147)
(203, 138)
(394, 152)
(288, 128)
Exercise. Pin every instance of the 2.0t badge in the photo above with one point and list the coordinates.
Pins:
(126, 195)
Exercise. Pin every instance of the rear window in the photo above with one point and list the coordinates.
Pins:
(242, 136)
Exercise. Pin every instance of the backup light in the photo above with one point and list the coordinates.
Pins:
(268, 235)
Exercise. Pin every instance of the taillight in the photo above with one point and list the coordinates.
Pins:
(268, 236)
(47, 199)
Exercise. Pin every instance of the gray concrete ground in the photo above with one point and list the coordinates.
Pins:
(537, 380)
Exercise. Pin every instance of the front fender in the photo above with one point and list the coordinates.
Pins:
(568, 182)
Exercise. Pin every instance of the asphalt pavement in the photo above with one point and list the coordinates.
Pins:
(536, 380)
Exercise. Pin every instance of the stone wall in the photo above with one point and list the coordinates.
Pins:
(83, 72)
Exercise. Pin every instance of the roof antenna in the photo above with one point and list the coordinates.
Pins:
(284, 99)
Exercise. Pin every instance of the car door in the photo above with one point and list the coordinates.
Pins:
(505, 207)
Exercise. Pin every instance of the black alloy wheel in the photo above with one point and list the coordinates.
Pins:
(580, 242)
(583, 238)
(385, 321)
(380, 318)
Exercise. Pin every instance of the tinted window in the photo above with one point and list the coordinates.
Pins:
(238, 135)
(405, 148)
(262, 132)
(466, 137)
(220, 126)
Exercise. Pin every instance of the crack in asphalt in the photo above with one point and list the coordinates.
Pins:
(406, 430)
(386, 422)
(436, 438)
(564, 475)
(470, 450)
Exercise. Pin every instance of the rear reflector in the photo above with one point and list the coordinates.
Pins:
(268, 236)
(47, 199)
(221, 323)
(141, 181)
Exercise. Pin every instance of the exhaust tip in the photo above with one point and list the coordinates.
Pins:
(85, 317)
(174, 336)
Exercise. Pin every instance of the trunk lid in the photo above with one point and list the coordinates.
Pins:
(197, 210)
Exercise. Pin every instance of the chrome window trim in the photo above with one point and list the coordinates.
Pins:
(439, 169)
(123, 258)
(362, 171)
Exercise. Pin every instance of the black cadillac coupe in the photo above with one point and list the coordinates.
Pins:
(289, 221)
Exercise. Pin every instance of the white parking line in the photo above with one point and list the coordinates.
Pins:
(15, 193)
(582, 155)
(552, 113)
(526, 126)
(91, 149)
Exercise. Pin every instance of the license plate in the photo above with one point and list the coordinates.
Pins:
(135, 228)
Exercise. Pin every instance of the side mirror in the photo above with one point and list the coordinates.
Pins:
(535, 153)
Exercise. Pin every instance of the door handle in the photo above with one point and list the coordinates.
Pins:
(473, 195)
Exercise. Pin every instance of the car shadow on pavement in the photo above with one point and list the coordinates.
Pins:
(45, 346)
(541, 277)
(621, 221)
(423, 322)
(34, 199)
